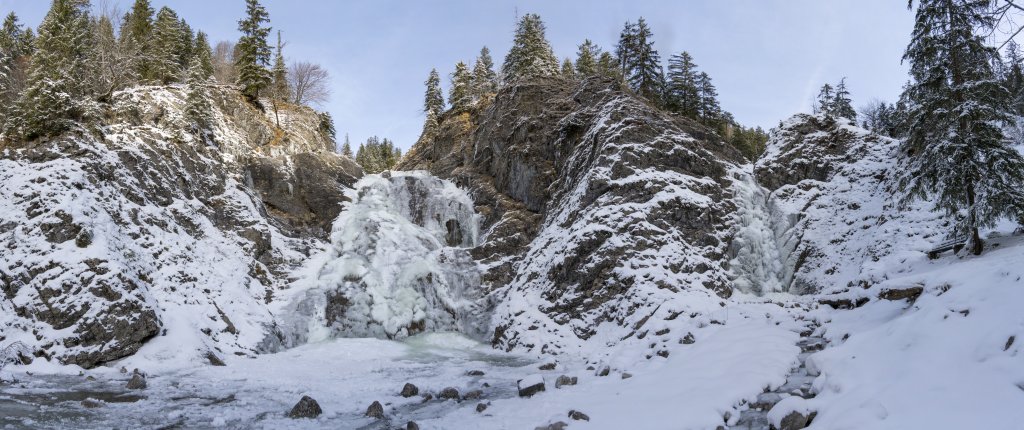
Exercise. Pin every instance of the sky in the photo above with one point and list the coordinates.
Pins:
(768, 58)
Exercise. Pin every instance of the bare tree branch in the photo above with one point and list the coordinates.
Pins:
(310, 83)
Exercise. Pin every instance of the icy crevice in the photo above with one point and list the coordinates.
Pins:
(398, 265)
(759, 263)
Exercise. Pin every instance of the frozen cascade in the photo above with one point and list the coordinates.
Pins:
(757, 257)
(398, 264)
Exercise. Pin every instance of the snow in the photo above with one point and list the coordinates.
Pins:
(398, 257)
(757, 263)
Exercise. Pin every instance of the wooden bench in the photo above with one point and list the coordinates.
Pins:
(955, 244)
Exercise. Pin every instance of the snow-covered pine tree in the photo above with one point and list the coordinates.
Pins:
(433, 100)
(198, 111)
(1013, 77)
(56, 96)
(644, 65)
(136, 39)
(568, 71)
(166, 46)
(531, 55)
(186, 43)
(485, 79)
(204, 52)
(15, 49)
(683, 96)
(710, 110)
(586, 59)
(957, 110)
(826, 99)
(842, 106)
(252, 51)
(460, 94)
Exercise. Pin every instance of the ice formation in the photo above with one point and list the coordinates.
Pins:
(398, 264)
(757, 259)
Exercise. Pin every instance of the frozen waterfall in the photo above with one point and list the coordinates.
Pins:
(398, 264)
(757, 258)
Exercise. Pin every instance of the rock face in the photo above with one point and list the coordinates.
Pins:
(111, 237)
(834, 199)
(596, 208)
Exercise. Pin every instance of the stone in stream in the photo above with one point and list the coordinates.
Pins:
(604, 371)
(475, 373)
(427, 397)
(578, 416)
(473, 395)
(376, 410)
(480, 407)
(411, 425)
(137, 382)
(553, 426)
(795, 421)
(409, 390)
(449, 393)
(306, 408)
(548, 366)
(214, 359)
(626, 375)
(565, 380)
(530, 385)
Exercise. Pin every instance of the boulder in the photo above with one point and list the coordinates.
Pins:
(480, 407)
(307, 407)
(411, 425)
(138, 382)
(578, 416)
(376, 410)
(530, 385)
(449, 393)
(565, 380)
(473, 395)
(559, 425)
(409, 390)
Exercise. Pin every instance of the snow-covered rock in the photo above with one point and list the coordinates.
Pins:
(136, 233)
(604, 219)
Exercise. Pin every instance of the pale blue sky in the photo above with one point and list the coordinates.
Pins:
(767, 57)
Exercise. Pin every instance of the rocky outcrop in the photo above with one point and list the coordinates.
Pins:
(115, 235)
(596, 206)
(835, 203)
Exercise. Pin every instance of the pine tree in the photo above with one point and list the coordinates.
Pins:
(842, 106)
(136, 39)
(568, 71)
(280, 91)
(204, 54)
(485, 80)
(826, 99)
(252, 51)
(15, 49)
(326, 127)
(430, 128)
(57, 92)
(608, 66)
(460, 94)
(586, 59)
(683, 94)
(958, 152)
(625, 51)
(710, 110)
(434, 98)
(166, 46)
(186, 43)
(641, 62)
(346, 148)
(198, 110)
(531, 55)
(1014, 76)
(279, 74)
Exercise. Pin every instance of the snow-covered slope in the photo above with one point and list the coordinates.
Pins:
(136, 232)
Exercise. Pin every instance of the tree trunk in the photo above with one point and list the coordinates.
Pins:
(975, 240)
